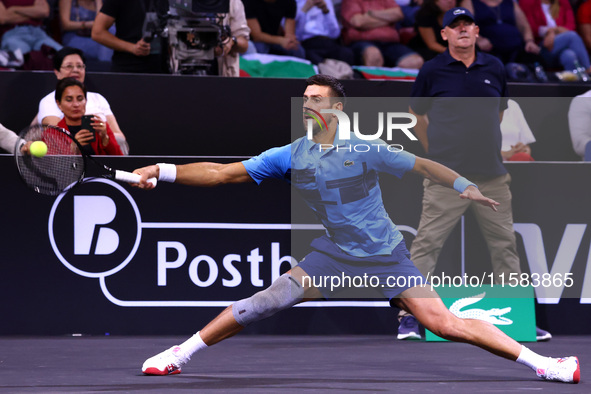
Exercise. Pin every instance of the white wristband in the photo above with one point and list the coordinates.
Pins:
(167, 172)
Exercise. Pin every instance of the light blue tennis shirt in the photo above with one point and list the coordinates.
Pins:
(341, 186)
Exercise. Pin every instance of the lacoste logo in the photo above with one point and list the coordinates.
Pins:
(493, 316)
(348, 163)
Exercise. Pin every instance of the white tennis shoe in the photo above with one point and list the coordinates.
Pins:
(168, 362)
(567, 370)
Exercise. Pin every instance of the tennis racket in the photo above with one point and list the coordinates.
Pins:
(64, 165)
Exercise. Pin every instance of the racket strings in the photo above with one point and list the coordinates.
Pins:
(58, 169)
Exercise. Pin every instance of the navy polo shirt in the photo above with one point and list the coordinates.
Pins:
(463, 106)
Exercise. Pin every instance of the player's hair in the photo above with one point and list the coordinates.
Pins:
(60, 55)
(62, 84)
(336, 87)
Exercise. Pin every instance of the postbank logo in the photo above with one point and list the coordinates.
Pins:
(97, 232)
(86, 228)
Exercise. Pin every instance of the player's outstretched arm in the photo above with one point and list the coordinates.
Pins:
(444, 176)
(204, 174)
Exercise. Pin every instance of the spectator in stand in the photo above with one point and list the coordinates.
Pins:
(134, 52)
(584, 23)
(369, 28)
(70, 62)
(70, 96)
(409, 10)
(504, 30)
(429, 19)
(318, 31)
(268, 36)
(579, 123)
(553, 26)
(517, 135)
(21, 24)
(76, 21)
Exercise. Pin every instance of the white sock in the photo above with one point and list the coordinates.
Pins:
(193, 345)
(533, 360)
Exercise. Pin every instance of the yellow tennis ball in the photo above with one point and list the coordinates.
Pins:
(38, 149)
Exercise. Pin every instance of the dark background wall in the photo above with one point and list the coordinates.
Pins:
(188, 115)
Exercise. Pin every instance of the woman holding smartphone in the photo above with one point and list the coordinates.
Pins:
(93, 133)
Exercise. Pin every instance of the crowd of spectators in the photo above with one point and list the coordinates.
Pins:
(553, 34)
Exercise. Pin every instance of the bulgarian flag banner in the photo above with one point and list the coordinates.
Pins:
(275, 66)
(387, 73)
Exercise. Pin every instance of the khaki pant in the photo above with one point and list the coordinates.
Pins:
(442, 209)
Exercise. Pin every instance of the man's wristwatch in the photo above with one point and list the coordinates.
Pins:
(234, 39)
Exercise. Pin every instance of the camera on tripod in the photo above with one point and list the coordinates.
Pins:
(194, 29)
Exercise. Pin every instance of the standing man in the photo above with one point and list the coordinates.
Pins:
(136, 51)
(458, 99)
(360, 239)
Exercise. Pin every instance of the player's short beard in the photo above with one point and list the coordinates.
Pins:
(315, 127)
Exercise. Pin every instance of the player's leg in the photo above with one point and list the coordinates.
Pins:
(288, 290)
(425, 304)
(428, 308)
(442, 209)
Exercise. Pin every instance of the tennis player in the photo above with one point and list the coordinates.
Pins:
(341, 186)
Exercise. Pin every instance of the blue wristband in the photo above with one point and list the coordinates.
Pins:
(461, 183)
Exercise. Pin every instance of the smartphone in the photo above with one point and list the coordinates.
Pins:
(86, 124)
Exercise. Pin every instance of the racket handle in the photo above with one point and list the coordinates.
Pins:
(130, 177)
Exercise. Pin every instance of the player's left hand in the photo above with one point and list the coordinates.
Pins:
(472, 193)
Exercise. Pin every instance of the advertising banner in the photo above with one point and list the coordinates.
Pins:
(109, 258)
